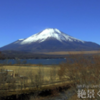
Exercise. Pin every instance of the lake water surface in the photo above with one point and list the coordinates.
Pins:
(33, 61)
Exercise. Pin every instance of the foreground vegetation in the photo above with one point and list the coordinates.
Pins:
(84, 71)
(23, 79)
(78, 70)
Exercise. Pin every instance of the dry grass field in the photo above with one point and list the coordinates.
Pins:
(78, 69)
(47, 72)
(73, 52)
(25, 79)
(29, 78)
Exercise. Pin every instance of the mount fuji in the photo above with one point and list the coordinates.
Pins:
(50, 40)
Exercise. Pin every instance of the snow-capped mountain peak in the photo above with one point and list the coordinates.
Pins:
(50, 40)
(49, 33)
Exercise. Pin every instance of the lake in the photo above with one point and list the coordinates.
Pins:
(34, 61)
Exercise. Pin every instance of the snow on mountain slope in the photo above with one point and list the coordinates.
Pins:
(49, 33)
(50, 40)
(19, 41)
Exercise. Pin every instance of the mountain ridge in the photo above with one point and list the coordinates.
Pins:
(51, 40)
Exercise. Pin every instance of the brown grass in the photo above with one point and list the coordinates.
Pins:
(38, 78)
(72, 52)
(27, 70)
(79, 69)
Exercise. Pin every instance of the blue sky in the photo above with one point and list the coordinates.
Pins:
(23, 18)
